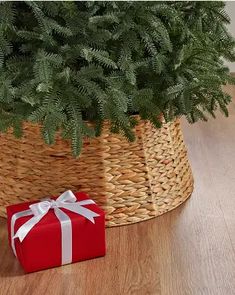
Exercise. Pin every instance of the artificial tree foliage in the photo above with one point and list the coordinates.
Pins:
(71, 65)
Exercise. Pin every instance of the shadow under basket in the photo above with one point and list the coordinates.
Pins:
(132, 182)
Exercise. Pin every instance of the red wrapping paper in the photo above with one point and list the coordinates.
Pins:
(42, 247)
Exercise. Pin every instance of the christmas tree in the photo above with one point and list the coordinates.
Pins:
(72, 65)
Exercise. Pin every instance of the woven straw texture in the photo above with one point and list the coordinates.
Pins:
(132, 182)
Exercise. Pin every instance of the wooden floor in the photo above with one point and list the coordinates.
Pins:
(189, 251)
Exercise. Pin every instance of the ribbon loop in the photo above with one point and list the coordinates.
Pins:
(67, 197)
(40, 208)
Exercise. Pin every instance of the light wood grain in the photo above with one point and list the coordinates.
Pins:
(189, 251)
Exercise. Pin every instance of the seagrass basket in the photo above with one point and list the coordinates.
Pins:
(132, 182)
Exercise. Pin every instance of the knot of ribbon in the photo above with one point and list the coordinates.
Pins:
(68, 201)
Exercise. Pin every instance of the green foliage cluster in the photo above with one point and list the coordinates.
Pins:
(71, 65)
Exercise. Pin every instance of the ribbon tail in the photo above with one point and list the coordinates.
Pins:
(85, 212)
(27, 226)
(85, 202)
(13, 221)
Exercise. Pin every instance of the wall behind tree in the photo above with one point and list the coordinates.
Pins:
(230, 9)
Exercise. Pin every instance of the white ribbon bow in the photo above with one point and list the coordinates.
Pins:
(68, 201)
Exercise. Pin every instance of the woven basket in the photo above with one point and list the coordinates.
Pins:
(132, 182)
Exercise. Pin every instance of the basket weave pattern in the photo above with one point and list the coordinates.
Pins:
(130, 181)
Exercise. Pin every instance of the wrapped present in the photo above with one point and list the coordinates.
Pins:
(56, 231)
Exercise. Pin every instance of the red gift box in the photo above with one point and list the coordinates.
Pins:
(42, 246)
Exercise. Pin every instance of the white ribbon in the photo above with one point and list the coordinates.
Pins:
(68, 201)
